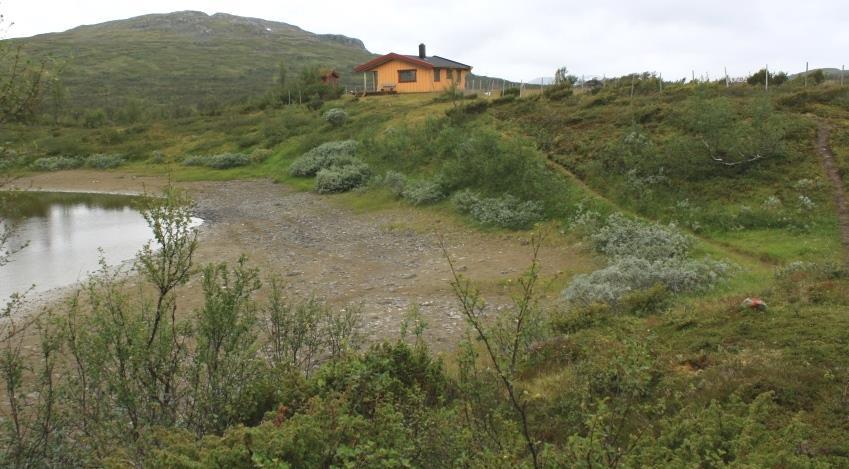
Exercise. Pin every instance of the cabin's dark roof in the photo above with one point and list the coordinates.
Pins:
(441, 62)
(427, 62)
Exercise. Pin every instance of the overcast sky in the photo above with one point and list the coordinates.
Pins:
(521, 40)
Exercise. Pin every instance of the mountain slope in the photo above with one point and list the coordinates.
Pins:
(186, 57)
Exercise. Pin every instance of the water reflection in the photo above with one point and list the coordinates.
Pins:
(64, 232)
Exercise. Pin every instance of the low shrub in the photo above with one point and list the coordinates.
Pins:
(474, 107)
(336, 117)
(629, 274)
(507, 98)
(577, 319)
(315, 103)
(342, 178)
(101, 161)
(513, 91)
(326, 155)
(260, 154)
(157, 157)
(56, 163)
(222, 161)
(394, 181)
(558, 92)
(648, 301)
(504, 212)
(622, 236)
(423, 192)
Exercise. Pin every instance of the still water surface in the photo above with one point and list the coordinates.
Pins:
(64, 232)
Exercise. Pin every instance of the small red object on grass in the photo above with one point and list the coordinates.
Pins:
(754, 303)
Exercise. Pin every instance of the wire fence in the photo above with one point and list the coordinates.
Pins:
(642, 83)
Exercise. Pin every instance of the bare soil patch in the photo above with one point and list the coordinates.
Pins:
(833, 174)
(387, 261)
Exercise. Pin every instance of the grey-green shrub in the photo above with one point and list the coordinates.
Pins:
(630, 273)
(622, 236)
(341, 178)
(642, 256)
(339, 153)
(228, 160)
(222, 161)
(156, 157)
(464, 200)
(336, 117)
(505, 212)
(423, 192)
(396, 182)
(102, 161)
(56, 163)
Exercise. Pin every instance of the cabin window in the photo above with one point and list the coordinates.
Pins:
(437, 74)
(459, 75)
(449, 74)
(406, 76)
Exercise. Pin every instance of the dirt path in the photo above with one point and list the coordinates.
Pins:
(833, 174)
(387, 261)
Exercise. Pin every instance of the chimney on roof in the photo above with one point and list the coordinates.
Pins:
(422, 51)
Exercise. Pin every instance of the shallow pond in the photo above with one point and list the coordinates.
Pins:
(64, 232)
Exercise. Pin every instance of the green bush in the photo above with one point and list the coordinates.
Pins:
(56, 163)
(342, 178)
(157, 157)
(504, 212)
(817, 76)
(759, 78)
(558, 91)
(315, 103)
(101, 161)
(336, 117)
(326, 155)
(512, 91)
(508, 98)
(647, 301)
(94, 118)
(396, 182)
(423, 192)
(222, 161)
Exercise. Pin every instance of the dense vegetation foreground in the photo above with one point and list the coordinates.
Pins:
(689, 201)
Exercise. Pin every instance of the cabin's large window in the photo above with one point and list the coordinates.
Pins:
(406, 76)
(437, 74)
(449, 74)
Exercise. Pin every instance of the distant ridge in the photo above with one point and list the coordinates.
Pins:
(187, 57)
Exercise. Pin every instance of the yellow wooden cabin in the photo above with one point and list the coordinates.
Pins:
(412, 73)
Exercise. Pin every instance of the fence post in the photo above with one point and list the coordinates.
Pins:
(766, 78)
(806, 74)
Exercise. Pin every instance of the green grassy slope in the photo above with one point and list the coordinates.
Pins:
(674, 377)
(186, 57)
